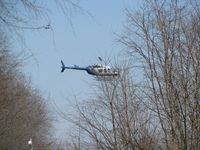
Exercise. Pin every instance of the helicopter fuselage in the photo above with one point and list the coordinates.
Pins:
(101, 71)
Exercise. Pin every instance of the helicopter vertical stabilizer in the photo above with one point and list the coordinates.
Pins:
(63, 66)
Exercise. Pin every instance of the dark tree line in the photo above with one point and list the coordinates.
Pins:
(23, 114)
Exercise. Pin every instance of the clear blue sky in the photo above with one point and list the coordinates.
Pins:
(81, 44)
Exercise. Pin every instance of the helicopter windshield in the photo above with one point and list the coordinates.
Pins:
(98, 66)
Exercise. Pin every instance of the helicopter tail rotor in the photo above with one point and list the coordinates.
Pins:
(63, 66)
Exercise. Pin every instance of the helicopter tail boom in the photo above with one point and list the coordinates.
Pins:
(63, 67)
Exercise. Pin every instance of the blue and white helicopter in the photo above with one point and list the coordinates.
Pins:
(97, 70)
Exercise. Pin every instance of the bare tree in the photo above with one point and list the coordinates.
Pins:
(19, 15)
(115, 118)
(164, 37)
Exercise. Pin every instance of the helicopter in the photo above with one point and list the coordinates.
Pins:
(97, 70)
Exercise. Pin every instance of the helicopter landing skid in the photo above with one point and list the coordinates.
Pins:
(106, 78)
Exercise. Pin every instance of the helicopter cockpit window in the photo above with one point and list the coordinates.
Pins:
(100, 70)
(97, 66)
